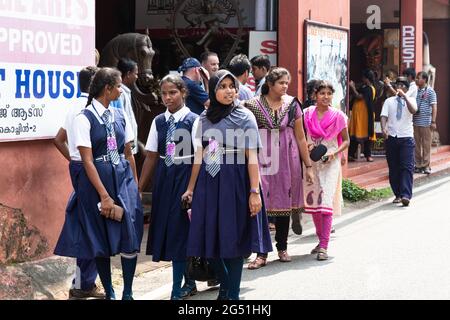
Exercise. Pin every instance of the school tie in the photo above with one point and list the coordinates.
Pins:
(214, 156)
(399, 108)
(169, 141)
(111, 147)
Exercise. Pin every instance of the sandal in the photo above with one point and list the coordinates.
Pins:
(322, 254)
(284, 256)
(296, 223)
(370, 159)
(315, 250)
(259, 262)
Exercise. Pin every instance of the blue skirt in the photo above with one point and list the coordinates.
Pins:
(86, 234)
(221, 225)
(169, 224)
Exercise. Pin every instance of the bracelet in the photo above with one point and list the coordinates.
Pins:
(433, 121)
(307, 167)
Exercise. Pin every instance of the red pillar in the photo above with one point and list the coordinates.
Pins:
(290, 40)
(411, 34)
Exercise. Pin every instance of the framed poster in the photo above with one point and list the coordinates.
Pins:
(326, 53)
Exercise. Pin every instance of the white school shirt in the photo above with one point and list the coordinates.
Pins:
(83, 126)
(402, 128)
(69, 126)
(152, 140)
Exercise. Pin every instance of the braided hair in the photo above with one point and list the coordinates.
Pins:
(103, 77)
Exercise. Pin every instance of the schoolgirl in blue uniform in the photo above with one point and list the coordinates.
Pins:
(228, 216)
(106, 177)
(170, 151)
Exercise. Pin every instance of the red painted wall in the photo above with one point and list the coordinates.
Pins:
(292, 16)
(35, 178)
(438, 33)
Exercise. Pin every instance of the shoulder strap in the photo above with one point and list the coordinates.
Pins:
(292, 109)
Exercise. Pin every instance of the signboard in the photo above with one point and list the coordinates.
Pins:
(262, 42)
(408, 46)
(326, 58)
(43, 46)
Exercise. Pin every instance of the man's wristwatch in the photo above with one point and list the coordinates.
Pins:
(254, 191)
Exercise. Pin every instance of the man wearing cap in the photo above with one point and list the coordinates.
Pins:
(197, 99)
(397, 125)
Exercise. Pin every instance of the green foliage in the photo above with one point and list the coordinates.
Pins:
(379, 144)
(353, 193)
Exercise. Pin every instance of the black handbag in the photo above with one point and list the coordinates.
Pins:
(199, 269)
(318, 152)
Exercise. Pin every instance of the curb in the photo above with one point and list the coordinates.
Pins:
(50, 278)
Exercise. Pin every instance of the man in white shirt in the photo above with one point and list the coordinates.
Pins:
(397, 125)
(83, 284)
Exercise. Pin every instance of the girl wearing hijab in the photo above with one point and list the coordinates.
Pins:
(228, 218)
(105, 182)
(327, 126)
(170, 225)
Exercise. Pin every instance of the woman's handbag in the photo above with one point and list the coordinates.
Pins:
(199, 269)
(318, 152)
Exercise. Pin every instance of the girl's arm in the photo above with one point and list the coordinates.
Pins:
(130, 157)
(198, 158)
(254, 202)
(107, 203)
(151, 160)
(303, 147)
(342, 147)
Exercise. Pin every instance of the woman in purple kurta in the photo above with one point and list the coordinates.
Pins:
(279, 118)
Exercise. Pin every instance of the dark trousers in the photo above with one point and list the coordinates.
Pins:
(281, 234)
(230, 274)
(367, 148)
(400, 158)
(87, 274)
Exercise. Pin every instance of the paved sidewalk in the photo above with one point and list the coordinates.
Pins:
(50, 278)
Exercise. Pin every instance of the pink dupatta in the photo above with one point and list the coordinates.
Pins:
(332, 123)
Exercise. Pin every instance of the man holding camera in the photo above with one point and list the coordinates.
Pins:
(397, 125)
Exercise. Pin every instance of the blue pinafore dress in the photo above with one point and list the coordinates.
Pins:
(87, 234)
(169, 224)
(221, 225)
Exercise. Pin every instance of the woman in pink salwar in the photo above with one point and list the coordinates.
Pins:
(328, 126)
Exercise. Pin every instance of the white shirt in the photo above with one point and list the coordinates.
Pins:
(70, 129)
(152, 140)
(259, 87)
(412, 91)
(402, 128)
(83, 126)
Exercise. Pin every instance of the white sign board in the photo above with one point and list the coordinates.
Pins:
(43, 46)
(262, 42)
